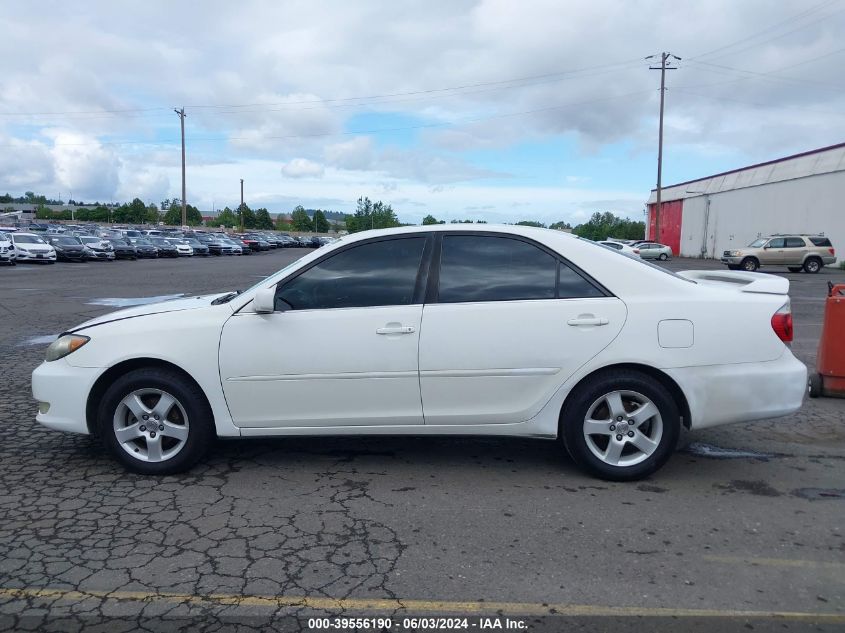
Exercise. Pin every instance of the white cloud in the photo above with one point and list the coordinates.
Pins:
(302, 168)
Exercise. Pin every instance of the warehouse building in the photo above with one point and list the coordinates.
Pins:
(804, 193)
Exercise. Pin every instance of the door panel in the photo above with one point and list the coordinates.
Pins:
(500, 362)
(322, 367)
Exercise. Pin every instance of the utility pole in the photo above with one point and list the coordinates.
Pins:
(664, 66)
(242, 206)
(182, 115)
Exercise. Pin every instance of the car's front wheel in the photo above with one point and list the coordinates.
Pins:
(663, 257)
(156, 421)
(750, 264)
(621, 425)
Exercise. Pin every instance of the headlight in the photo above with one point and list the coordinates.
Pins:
(734, 253)
(87, 251)
(65, 345)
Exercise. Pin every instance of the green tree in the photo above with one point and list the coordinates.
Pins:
(225, 218)
(321, 224)
(263, 220)
(560, 225)
(531, 223)
(300, 220)
(600, 226)
(430, 219)
(135, 212)
(247, 216)
(97, 214)
(173, 216)
(370, 215)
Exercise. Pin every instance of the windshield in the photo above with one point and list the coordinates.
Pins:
(89, 240)
(758, 243)
(67, 241)
(117, 242)
(143, 242)
(28, 239)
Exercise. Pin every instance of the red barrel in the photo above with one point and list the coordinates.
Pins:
(829, 379)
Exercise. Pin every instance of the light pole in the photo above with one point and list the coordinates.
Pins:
(706, 221)
(664, 59)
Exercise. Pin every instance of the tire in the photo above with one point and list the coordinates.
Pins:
(749, 264)
(814, 385)
(190, 424)
(794, 269)
(663, 257)
(812, 265)
(589, 401)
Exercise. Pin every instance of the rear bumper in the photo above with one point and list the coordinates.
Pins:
(66, 390)
(725, 394)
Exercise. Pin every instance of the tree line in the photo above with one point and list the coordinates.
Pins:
(368, 215)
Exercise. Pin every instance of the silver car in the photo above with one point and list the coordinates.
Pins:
(653, 250)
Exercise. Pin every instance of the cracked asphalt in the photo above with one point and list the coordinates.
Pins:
(266, 529)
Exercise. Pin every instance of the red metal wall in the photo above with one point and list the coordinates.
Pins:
(670, 224)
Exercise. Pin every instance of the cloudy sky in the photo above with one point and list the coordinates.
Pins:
(493, 109)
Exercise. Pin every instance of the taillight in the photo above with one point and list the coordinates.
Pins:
(636, 251)
(782, 323)
(831, 251)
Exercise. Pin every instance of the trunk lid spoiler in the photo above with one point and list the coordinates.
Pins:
(742, 281)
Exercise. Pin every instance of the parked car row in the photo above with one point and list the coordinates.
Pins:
(640, 248)
(74, 243)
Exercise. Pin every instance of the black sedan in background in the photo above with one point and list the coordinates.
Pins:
(122, 249)
(68, 248)
(261, 240)
(165, 248)
(143, 247)
(199, 247)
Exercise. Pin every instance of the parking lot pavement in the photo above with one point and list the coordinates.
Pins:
(743, 525)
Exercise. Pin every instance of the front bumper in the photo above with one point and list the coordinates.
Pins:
(66, 389)
(743, 392)
(36, 257)
(104, 255)
(732, 261)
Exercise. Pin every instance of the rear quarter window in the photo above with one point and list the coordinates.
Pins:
(820, 241)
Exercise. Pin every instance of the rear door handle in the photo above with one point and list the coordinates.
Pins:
(400, 329)
(588, 320)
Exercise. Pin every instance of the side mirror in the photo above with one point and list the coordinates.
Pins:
(264, 300)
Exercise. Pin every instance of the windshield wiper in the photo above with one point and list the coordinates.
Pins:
(226, 298)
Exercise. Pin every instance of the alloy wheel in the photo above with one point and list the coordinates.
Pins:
(151, 425)
(623, 428)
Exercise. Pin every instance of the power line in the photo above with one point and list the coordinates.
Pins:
(769, 29)
(356, 132)
(769, 74)
(501, 84)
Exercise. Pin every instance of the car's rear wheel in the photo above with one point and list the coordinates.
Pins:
(156, 421)
(750, 264)
(814, 385)
(812, 265)
(621, 425)
(663, 257)
(794, 269)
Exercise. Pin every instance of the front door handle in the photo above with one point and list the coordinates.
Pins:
(399, 329)
(588, 320)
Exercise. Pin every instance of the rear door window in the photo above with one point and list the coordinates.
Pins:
(795, 242)
(475, 268)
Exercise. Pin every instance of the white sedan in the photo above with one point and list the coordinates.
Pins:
(436, 330)
(30, 247)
